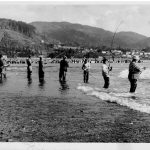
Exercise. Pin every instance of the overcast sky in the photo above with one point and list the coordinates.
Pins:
(134, 17)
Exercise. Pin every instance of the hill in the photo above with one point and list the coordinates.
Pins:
(17, 36)
(77, 34)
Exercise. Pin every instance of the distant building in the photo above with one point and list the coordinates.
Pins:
(103, 52)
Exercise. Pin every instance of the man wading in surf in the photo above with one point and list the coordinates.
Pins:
(41, 72)
(134, 72)
(1, 66)
(29, 67)
(63, 69)
(105, 72)
(85, 68)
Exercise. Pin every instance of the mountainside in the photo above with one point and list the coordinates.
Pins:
(76, 34)
(19, 33)
(130, 39)
(20, 37)
(144, 42)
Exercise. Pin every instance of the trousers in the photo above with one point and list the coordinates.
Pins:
(62, 75)
(133, 85)
(106, 82)
(86, 76)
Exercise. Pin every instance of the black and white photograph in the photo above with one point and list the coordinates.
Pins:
(74, 72)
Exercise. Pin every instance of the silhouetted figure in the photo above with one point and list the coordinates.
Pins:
(41, 72)
(29, 67)
(1, 66)
(64, 86)
(63, 69)
(29, 80)
(85, 68)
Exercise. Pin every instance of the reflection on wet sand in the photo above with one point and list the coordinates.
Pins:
(29, 80)
(2, 81)
(41, 83)
(64, 87)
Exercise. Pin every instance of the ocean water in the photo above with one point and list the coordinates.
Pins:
(17, 83)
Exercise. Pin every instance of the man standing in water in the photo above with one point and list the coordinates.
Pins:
(134, 72)
(105, 73)
(1, 66)
(41, 72)
(29, 67)
(63, 69)
(85, 68)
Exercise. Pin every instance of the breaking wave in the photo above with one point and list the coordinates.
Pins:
(124, 99)
(144, 75)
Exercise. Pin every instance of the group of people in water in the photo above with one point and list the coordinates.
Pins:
(134, 70)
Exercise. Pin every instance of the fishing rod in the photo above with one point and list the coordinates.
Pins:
(59, 54)
(112, 41)
(93, 75)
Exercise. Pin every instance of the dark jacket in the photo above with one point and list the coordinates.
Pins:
(63, 65)
(134, 71)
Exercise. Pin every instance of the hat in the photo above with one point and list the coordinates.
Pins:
(135, 57)
(64, 57)
(104, 59)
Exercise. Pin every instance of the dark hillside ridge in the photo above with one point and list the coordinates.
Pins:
(83, 35)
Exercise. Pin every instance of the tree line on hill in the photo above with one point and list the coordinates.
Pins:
(19, 26)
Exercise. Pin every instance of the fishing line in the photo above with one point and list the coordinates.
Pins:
(93, 76)
(112, 41)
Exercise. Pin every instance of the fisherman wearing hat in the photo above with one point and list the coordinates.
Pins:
(85, 68)
(105, 72)
(134, 71)
(63, 69)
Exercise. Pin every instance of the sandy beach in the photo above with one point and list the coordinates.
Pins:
(47, 119)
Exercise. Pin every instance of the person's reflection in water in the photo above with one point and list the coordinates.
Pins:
(29, 79)
(2, 81)
(41, 83)
(64, 86)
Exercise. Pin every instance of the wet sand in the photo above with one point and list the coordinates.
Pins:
(51, 119)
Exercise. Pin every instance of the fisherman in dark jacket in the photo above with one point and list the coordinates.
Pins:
(134, 72)
(1, 66)
(63, 69)
(41, 72)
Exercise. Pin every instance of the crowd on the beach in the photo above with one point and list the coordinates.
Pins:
(134, 70)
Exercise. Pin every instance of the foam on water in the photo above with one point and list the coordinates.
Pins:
(144, 75)
(124, 99)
